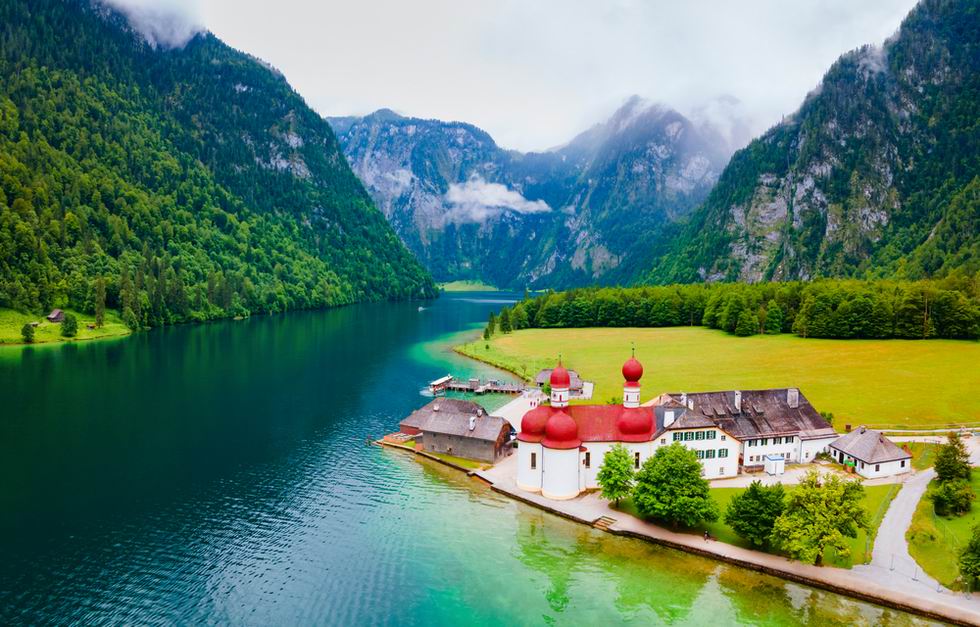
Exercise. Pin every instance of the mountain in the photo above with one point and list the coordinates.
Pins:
(591, 210)
(877, 174)
(191, 177)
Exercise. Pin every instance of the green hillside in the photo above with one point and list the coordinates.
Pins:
(195, 180)
(876, 175)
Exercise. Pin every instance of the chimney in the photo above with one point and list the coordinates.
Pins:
(793, 397)
(668, 418)
(690, 403)
(472, 422)
(684, 398)
(435, 408)
(738, 401)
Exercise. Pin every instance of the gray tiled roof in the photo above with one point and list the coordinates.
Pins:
(869, 446)
(574, 380)
(452, 416)
(763, 413)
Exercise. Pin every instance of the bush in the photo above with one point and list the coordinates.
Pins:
(27, 332)
(753, 513)
(952, 498)
(69, 326)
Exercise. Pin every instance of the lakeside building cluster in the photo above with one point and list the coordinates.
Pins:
(561, 447)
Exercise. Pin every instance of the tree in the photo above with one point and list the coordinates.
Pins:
(952, 460)
(99, 301)
(970, 558)
(492, 323)
(130, 320)
(748, 324)
(670, 487)
(27, 332)
(505, 326)
(952, 498)
(69, 326)
(821, 512)
(774, 318)
(615, 476)
(753, 513)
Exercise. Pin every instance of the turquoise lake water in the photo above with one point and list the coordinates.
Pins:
(219, 474)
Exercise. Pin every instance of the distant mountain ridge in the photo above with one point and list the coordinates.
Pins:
(877, 174)
(588, 211)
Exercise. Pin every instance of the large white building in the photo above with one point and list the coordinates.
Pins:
(561, 447)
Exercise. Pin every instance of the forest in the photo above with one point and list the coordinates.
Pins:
(830, 308)
(194, 183)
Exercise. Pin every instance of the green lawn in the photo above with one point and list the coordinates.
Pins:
(875, 502)
(923, 453)
(872, 382)
(935, 542)
(467, 286)
(11, 322)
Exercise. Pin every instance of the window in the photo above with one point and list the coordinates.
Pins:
(588, 459)
(903, 463)
(723, 452)
(663, 440)
(700, 454)
(877, 467)
(699, 435)
(789, 439)
(688, 435)
(710, 453)
(722, 437)
(677, 435)
(710, 435)
(534, 461)
(765, 441)
(721, 471)
(636, 460)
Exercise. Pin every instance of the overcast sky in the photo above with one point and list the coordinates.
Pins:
(534, 73)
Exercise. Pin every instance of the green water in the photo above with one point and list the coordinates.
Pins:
(219, 474)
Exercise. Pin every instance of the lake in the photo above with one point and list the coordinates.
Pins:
(220, 474)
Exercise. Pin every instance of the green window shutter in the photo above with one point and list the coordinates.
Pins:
(723, 452)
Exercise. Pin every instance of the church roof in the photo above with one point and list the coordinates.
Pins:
(602, 423)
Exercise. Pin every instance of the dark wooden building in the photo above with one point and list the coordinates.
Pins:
(56, 315)
(460, 428)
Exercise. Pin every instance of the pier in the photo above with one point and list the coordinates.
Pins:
(475, 386)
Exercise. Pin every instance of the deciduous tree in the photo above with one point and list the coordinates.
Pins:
(69, 326)
(822, 512)
(615, 476)
(670, 487)
(970, 558)
(753, 513)
(27, 332)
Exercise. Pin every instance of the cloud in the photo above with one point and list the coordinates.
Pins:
(476, 200)
(163, 23)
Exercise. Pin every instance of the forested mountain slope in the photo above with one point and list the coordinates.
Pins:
(589, 211)
(193, 179)
(877, 174)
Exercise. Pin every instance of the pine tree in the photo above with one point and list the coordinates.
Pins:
(747, 324)
(505, 321)
(100, 301)
(952, 460)
(774, 318)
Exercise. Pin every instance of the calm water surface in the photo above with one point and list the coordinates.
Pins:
(219, 474)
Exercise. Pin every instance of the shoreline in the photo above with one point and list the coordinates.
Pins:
(844, 582)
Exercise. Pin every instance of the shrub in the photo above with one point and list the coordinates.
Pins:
(69, 326)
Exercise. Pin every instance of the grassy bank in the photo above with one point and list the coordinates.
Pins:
(467, 286)
(876, 499)
(923, 453)
(872, 382)
(12, 321)
(935, 542)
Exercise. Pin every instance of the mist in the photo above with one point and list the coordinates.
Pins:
(163, 24)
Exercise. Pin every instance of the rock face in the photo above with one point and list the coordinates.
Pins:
(875, 175)
(593, 210)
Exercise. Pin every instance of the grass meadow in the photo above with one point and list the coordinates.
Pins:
(882, 383)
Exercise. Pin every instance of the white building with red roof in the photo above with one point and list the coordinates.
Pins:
(561, 447)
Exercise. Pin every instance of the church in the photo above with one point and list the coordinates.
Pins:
(561, 447)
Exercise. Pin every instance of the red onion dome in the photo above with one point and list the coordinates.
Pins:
(561, 432)
(534, 421)
(635, 421)
(560, 378)
(632, 370)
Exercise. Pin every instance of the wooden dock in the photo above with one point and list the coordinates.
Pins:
(476, 386)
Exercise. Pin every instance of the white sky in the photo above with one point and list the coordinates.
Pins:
(533, 73)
